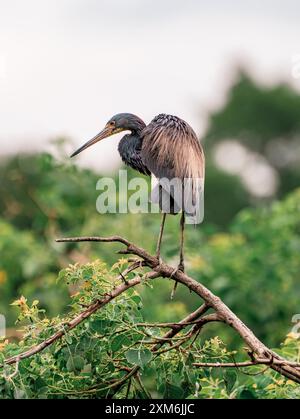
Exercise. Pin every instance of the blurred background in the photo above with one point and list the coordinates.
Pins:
(232, 70)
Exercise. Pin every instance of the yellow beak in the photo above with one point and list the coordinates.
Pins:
(106, 132)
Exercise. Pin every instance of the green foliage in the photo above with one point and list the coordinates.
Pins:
(112, 353)
(25, 268)
(225, 195)
(264, 120)
(256, 113)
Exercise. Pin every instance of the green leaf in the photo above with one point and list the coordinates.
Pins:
(172, 391)
(87, 369)
(118, 342)
(101, 326)
(111, 367)
(138, 357)
(68, 339)
(19, 394)
(137, 299)
(190, 359)
(75, 363)
(247, 394)
(230, 379)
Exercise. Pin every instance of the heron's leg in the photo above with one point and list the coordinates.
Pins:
(181, 260)
(161, 230)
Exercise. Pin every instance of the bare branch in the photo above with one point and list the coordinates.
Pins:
(258, 361)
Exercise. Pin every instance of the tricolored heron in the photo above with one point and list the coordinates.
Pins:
(167, 148)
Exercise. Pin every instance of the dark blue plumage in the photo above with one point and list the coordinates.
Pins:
(130, 151)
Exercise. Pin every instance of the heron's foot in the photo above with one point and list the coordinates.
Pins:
(181, 267)
(159, 260)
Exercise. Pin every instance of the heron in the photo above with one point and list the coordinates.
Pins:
(166, 149)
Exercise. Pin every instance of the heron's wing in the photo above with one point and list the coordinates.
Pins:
(170, 149)
(172, 152)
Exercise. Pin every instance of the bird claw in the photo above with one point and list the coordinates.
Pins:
(159, 260)
(174, 272)
(180, 267)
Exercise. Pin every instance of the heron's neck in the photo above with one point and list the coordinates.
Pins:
(130, 151)
(129, 145)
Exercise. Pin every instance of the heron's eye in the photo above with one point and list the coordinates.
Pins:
(111, 124)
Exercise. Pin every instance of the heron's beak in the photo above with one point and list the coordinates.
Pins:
(106, 132)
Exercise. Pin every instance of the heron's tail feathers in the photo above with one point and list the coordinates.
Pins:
(177, 195)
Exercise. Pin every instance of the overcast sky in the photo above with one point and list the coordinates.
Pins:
(66, 66)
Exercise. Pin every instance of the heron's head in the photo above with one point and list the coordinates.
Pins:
(118, 123)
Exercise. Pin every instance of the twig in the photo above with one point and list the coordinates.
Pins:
(246, 363)
(173, 332)
(194, 331)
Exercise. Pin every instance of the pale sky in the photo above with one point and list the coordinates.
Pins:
(67, 66)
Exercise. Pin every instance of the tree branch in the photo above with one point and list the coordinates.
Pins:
(222, 312)
(257, 361)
